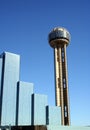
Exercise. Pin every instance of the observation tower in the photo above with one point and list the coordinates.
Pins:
(59, 39)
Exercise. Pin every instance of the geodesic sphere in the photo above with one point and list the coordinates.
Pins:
(59, 36)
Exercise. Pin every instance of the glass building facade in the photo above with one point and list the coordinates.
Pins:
(9, 75)
(53, 115)
(39, 103)
(24, 102)
(19, 105)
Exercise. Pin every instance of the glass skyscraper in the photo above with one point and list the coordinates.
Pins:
(9, 76)
(19, 105)
(24, 103)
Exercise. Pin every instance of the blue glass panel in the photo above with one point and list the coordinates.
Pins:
(24, 112)
(58, 127)
(53, 115)
(39, 109)
(10, 78)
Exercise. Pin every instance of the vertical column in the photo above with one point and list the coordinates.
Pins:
(61, 85)
(65, 87)
(57, 82)
(1, 88)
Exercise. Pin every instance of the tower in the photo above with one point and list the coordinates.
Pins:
(59, 39)
(9, 76)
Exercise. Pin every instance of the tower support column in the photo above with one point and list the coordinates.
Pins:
(65, 87)
(59, 88)
(61, 83)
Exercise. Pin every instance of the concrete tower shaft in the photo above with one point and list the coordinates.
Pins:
(59, 38)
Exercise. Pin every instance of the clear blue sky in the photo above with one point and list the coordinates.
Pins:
(24, 29)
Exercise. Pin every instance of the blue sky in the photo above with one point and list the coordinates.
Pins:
(24, 29)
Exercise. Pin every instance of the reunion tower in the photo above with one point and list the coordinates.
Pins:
(59, 39)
